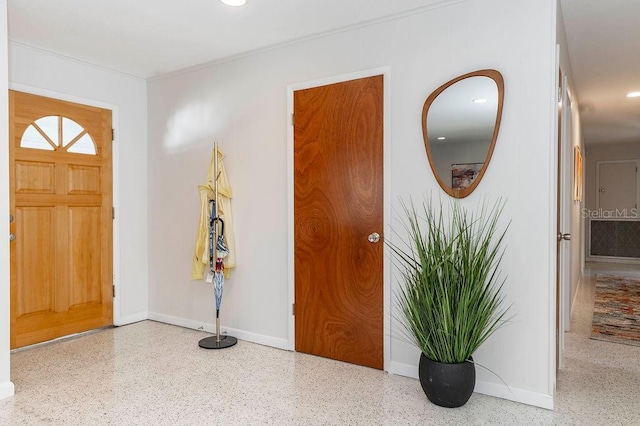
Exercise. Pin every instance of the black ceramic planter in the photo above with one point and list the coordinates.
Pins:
(447, 385)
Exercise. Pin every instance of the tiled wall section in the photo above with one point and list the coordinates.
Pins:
(619, 238)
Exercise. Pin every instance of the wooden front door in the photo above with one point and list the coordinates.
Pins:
(61, 204)
(338, 204)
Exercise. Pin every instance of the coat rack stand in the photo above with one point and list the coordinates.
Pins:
(216, 341)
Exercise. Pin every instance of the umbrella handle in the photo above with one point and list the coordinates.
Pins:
(221, 234)
(212, 211)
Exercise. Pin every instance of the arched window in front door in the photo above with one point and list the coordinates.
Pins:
(57, 133)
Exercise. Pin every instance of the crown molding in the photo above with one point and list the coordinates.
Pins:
(62, 56)
(281, 45)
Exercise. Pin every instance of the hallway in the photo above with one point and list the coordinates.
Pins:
(600, 384)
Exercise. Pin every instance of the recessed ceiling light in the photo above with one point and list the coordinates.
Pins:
(479, 101)
(633, 95)
(441, 138)
(234, 2)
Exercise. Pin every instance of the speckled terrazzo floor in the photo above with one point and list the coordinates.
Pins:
(154, 374)
(600, 384)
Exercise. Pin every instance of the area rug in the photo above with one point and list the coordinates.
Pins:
(616, 311)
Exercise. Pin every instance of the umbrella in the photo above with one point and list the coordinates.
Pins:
(218, 284)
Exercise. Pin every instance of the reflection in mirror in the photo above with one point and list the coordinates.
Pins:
(460, 122)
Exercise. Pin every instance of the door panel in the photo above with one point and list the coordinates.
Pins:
(83, 179)
(60, 195)
(35, 260)
(338, 203)
(85, 262)
(35, 178)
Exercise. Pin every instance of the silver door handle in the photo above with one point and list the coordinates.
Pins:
(12, 237)
(374, 237)
(566, 237)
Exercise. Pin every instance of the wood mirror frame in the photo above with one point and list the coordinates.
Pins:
(499, 81)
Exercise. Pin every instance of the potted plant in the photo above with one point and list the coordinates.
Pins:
(451, 301)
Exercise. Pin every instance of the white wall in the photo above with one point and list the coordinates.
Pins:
(605, 152)
(50, 75)
(6, 387)
(243, 105)
(577, 221)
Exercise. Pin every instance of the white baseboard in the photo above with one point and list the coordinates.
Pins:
(406, 370)
(260, 339)
(6, 390)
(130, 319)
(210, 328)
(486, 388)
(575, 294)
(613, 259)
(515, 394)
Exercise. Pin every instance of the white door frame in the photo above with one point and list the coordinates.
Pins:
(566, 198)
(386, 271)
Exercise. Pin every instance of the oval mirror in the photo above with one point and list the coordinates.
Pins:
(460, 123)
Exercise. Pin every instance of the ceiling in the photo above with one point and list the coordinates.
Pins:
(604, 46)
(146, 38)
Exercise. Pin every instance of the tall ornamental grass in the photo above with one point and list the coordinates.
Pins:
(452, 300)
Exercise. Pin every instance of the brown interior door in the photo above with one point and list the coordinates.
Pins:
(61, 203)
(338, 204)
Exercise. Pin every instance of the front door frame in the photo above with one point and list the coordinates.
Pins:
(115, 181)
(386, 268)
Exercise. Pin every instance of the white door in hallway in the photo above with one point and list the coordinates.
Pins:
(563, 221)
(617, 187)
